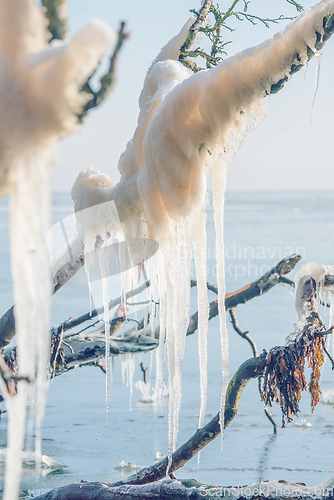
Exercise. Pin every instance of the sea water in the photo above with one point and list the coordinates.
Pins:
(260, 229)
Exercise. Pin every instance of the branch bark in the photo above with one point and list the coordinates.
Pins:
(277, 388)
(273, 277)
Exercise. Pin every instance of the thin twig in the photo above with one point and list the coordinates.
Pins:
(245, 335)
(250, 291)
(330, 357)
(107, 82)
(96, 312)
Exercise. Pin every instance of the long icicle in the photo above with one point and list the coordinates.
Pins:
(160, 356)
(32, 287)
(181, 314)
(219, 187)
(104, 269)
(199, 236)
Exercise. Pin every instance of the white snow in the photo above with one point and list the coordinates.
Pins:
(317, 271)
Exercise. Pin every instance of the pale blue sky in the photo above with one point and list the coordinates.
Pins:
(287, 151)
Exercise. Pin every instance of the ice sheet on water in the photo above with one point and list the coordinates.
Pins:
(302, 423)
(30, 461)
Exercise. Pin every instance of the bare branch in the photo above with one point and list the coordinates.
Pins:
(245, 336)
(107, 82)
(56, 13)
(328, 354)
(242, 334)
(255, 289)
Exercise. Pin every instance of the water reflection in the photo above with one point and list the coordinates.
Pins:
(264, 457)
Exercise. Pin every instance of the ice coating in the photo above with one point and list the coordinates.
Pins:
(317, 272)
(39, 96)
(188, 125)
(162, 76)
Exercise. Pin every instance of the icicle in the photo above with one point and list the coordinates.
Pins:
(178, 304)
(30, 210)
(199, 237)
(124, 368)
(219, 186)
(160, 358)
(132, 366)
(171, 343)
(104, 269)
(316, 84)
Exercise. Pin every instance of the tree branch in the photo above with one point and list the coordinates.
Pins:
(255, 289)
(56, 13)
(107, 82)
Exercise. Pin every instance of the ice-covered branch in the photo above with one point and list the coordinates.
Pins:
(235, 83)
(244, 335)
(39, 98)
(190, 489)
(284, 378)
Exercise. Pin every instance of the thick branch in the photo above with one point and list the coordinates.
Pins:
(273, 277)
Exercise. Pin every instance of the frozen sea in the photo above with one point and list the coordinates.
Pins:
(260, 229)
